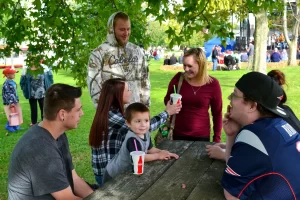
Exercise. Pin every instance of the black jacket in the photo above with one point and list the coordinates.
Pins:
(214, 54)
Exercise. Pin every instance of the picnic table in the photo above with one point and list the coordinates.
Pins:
(193, 176)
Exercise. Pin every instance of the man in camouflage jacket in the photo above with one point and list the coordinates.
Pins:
(118, 58)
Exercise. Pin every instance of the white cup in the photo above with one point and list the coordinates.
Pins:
(138, 158)
(176, 98)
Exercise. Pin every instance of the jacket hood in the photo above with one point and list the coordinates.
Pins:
(111, 38)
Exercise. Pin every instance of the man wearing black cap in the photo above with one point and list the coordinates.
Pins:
(262, 150)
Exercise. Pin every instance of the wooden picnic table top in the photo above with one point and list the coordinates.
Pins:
(163, 179)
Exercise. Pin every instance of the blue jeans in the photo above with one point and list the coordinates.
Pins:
(215, 64)
(282, 45)
(99, 180)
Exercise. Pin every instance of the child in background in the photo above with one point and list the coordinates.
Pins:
(138, 120)
(10, 98)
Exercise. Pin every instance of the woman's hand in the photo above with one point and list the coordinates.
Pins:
(174, 108)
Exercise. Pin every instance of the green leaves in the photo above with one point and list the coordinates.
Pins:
(37, 4)
(67, 31)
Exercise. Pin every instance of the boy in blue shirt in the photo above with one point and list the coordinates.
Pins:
(10, 98)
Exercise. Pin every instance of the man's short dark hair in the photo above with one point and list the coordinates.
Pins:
(60, 96)
(133, 108)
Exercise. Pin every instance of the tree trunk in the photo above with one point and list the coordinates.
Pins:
(260, 41)
(292, 43)
(292, 53)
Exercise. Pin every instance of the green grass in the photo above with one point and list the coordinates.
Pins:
(78, 138)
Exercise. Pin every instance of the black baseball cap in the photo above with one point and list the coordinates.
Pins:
(264, 90)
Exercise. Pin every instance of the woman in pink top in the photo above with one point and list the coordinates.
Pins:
(199, 93)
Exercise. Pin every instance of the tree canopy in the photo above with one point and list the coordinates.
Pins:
(70, 29)
(73, 28)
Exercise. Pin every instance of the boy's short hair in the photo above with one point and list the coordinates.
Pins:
(60, 96)
(133, 108)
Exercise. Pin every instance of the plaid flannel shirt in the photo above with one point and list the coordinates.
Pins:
(117, 130)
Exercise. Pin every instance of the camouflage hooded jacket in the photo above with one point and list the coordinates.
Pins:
(110, 60)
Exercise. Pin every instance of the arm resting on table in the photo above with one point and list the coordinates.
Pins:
(81, 188)
(157, 154)
(65, 194)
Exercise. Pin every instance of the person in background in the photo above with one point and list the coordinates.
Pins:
(41, 165)
(268, 57)
(158, 54)
(119, 58)
(10, 98)
(185, 49)
(273, 41)
(137, 117)
(214, 57)
(200, 92)
(155, 54)
(279, 77)
(244, 57)
(109, 129)
(180, 58)
(229, 60)
(219, 49)
(281, 40)
(173, 59)
(250, 55)
(284, 55)
(275, 56)
(167, 60)
(237, 57)
(34, 89)
(298, 54)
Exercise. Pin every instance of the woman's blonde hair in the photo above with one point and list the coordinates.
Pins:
(200, 57)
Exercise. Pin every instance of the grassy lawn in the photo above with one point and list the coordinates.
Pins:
(78, 138)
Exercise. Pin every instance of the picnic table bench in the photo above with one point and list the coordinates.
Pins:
(194, 176)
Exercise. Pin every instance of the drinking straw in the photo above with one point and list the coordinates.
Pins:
(174, 89)
(136, 149)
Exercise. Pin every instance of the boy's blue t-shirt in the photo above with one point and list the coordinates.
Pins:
(14, 84)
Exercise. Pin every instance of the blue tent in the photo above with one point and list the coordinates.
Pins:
(217, 41)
